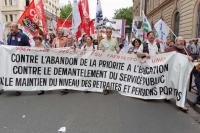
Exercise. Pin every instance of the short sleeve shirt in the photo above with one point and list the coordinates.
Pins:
(109, 45)
(153, 48)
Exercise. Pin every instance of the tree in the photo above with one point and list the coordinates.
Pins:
(66, 11)
(127, 14)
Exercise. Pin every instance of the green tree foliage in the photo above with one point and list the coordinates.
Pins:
(66, 11)
(125, 13)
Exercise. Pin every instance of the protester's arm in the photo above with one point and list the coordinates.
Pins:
(101, 46)
(140, 52)
(8, 40)
(26, 40)
(189, 54)
(190, 58)
(53, 45)
(117, 49)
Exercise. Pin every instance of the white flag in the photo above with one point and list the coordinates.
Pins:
(99, 14)
(162, 30)
(2, 25)
(146, 24)
(76, 19)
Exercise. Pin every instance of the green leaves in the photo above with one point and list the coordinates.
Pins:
(125, 13)
(66, 11)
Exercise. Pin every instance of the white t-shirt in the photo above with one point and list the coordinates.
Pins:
(153, 48)
(109, 44)
(88, 48)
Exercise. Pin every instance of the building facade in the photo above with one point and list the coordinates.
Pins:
(182, 16)
(12, 9)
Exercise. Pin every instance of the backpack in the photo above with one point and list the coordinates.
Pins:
(146, 48)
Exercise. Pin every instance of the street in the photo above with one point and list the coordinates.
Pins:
(91, 113)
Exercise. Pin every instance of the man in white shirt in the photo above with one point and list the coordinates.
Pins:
(149, 48)
(109, 43)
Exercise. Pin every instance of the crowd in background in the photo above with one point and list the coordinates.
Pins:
(146, 49)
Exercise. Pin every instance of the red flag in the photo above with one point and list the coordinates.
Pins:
(67, 24)
(92, 27)
(29, 19)
(85, 16)
(41, 15)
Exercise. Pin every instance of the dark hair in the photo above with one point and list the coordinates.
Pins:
(138, 40)
(149, 33)
(37, 38)
(52, 36)
(20, 30)
(121, 46)
(83, 38)
(172, 41)
(90, 37)
(185, 42)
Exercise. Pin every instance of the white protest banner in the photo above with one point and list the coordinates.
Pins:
(117, 25)
(30, 69)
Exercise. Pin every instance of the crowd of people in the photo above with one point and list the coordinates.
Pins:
(146, 49)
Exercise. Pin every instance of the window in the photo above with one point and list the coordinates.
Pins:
(10, 2)
(11, 17)
(14, 2)
(27, 2)
(6, 18)
(5, 2)
(198, 23)
(176, 23)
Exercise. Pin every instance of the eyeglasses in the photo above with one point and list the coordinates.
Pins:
(108, 31)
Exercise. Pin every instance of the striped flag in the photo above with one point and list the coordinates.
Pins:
(162, 30)
(41, 14)
(146, 24)
(76, 19)
(99, 14)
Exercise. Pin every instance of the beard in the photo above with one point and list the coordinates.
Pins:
(180, 46)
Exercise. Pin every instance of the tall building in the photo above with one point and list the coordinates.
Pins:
(182, 16)
(12, 9)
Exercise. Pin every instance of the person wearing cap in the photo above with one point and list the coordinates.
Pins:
(109, 43)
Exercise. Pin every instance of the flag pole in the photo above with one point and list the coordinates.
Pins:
(172, 32)
(141, 5)
(66, 20)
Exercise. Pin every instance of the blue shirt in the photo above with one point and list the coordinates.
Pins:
(19, 39)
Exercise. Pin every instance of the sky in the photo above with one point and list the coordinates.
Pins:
(108, 6)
